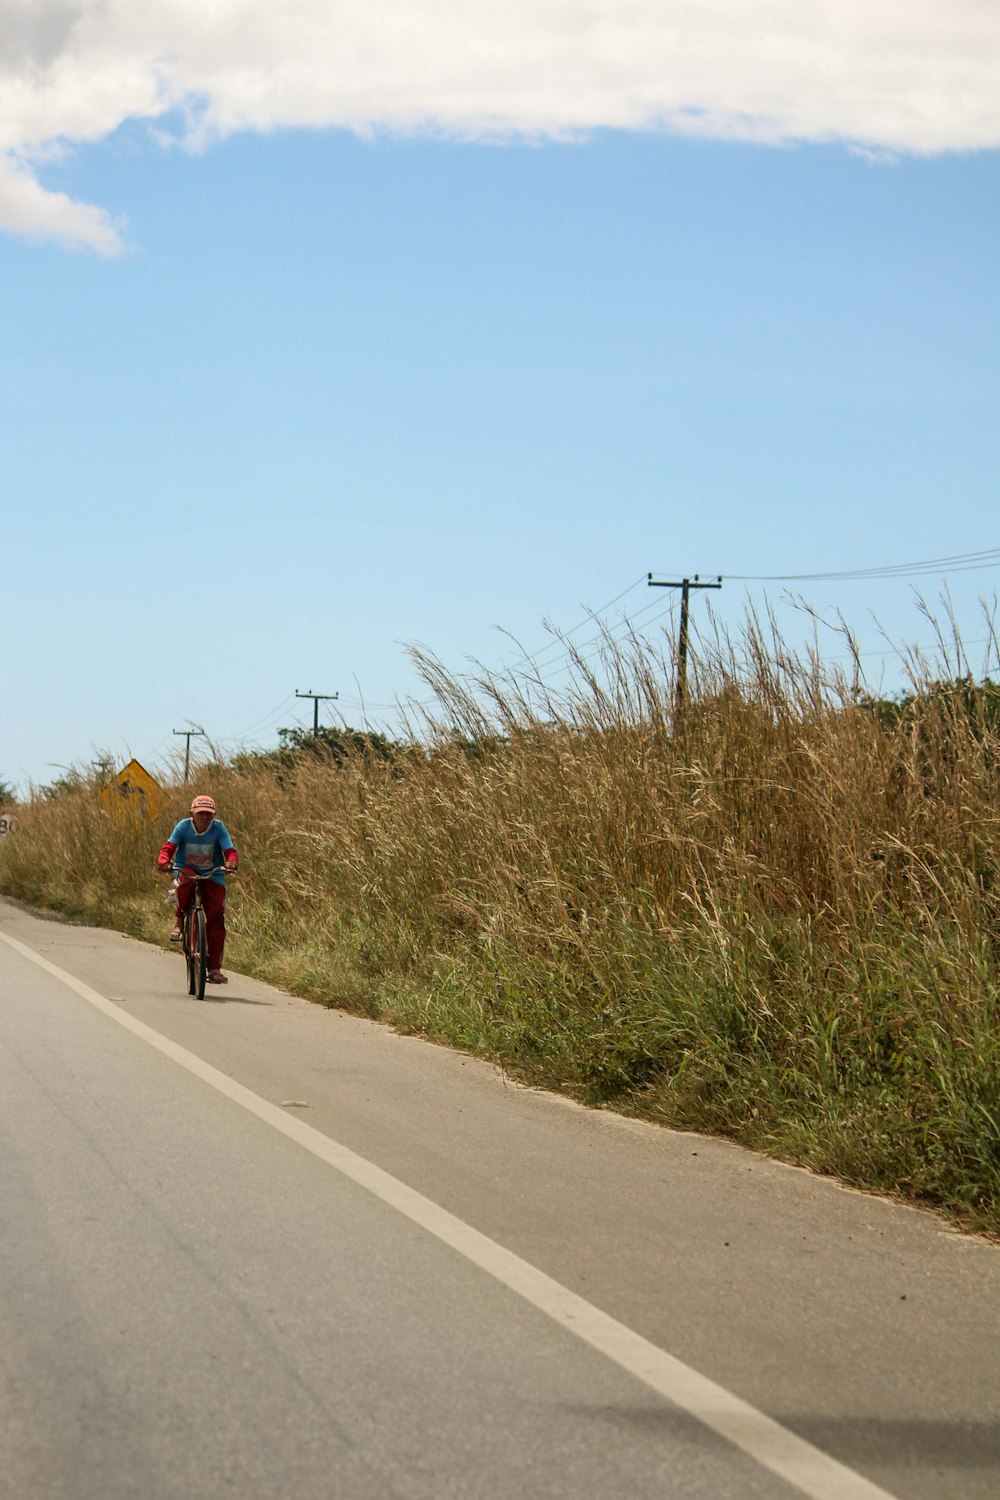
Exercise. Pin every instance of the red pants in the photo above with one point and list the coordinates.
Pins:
(213, 898)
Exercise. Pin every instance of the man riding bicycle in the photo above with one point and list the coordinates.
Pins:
(200, 844)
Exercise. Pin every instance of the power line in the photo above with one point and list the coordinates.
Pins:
(264, 718)
(586, 651)
(582, 651)
(533, 656)
(592, 648)
(533, 659)
(961, 562)
(901, 651)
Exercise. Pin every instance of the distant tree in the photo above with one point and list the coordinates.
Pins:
(63, 785)
(8, 795)
(978, 702)
(485, 747)
(336, 746)
(93, 774)
(887, 712)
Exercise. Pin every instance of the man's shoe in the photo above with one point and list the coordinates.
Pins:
(216, 976)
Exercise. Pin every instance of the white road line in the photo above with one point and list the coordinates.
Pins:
(810, 1470)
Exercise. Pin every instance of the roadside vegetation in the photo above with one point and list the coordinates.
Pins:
(771, 913)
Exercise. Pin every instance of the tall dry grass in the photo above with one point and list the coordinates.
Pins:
(772, 915)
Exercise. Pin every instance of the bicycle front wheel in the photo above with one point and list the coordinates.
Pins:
(190, 957)
(200, 944)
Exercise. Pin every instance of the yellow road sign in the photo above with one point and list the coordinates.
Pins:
(133, 793)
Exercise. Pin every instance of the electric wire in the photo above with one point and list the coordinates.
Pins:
(902, 652)
(264, 718)
(557, 644)
(960, 562)
(588, 619)
(614, 636)
(265, 721)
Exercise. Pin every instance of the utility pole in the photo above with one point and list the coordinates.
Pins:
(317, 698)
(189, 735)
(685, 585)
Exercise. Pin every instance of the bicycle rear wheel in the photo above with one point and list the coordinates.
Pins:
(199, 937)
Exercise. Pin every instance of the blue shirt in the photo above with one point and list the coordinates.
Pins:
(202, 851)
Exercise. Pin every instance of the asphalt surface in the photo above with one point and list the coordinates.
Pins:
(193, 1303)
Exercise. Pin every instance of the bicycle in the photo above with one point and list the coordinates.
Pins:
(194, 930)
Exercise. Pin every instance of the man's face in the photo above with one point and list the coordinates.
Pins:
(202, 821)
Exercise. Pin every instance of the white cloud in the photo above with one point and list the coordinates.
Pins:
(885, 75)
(27, 208)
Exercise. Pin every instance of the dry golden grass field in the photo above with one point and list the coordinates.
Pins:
(771, 912)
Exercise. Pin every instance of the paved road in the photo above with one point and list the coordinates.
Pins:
(209, 1285)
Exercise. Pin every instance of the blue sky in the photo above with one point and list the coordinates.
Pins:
(312, 394)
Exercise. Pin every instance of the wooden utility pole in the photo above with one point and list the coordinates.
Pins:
(189, 735)
(685, 585)
(317, 699)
